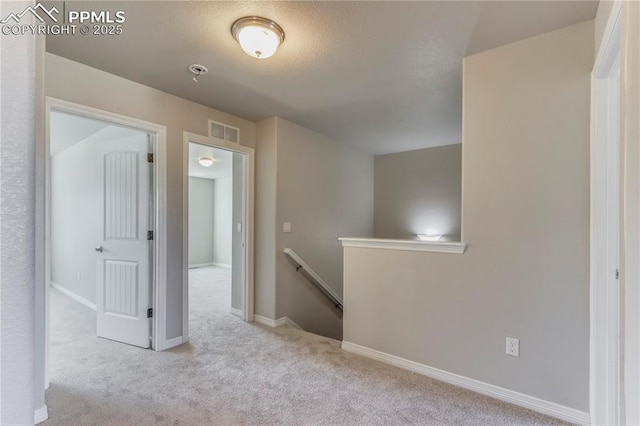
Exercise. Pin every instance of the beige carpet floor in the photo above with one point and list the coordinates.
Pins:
(235, 373)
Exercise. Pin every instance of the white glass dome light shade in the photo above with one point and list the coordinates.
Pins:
(258, 37)
(205, 161)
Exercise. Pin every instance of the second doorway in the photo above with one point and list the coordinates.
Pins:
(215, 233)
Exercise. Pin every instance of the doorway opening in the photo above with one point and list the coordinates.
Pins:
(104, 222)
(217, 271)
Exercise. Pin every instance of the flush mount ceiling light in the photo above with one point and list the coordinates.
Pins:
(205, 161)
(258, 37)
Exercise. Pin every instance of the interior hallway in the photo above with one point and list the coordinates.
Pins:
(232, 372)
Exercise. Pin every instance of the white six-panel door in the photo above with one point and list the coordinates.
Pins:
(122, 250)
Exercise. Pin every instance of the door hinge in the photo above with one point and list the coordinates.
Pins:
(617, 274)
(150, 157)
(150, 313)
(149, 235)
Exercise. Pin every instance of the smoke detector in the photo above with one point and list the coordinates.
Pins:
(197, 71)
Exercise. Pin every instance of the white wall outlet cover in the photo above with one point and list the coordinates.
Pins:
(513, 347)
(286, 227)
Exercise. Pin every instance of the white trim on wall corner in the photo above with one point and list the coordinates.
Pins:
(74, 296)
(276, 323)
(235, 311)
(536, 404)
(222, 265)
(171, 343)
(406, 245)
(40, 415)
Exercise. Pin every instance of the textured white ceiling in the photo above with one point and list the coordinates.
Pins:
(383, 76)
(222, 162)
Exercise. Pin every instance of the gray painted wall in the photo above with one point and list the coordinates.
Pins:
(210, 221)
(75, 82)
(265, 219)
(325, 190)
(417, 191)
(525, 273)
(222, 221)
(201, 218)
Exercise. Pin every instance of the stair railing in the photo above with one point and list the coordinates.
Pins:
(314, 278)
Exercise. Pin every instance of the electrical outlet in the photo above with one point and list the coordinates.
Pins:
(286, 227)
(513, 346)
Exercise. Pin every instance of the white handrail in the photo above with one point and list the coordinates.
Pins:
(315, 278)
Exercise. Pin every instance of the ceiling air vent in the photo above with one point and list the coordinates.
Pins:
(224, 131)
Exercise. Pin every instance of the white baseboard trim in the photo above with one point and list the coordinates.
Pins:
(222, 265)
(40, 415)
(265, 321)
(73, 295)
(536, 404)
(201, 265)
(275, 323)
(236, 312)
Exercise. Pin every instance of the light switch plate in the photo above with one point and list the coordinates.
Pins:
(286, 227)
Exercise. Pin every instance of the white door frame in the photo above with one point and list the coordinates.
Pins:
(248, 215)
(605, 306)
(159, 185)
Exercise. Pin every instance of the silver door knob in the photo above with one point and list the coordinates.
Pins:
(99, 249)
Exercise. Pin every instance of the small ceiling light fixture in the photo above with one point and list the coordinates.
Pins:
(258, 37)
(205, 161)
(197, 71)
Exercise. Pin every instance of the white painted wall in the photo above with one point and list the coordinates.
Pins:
(265, 213)
(222, 221)
(325, 190)
(75, 82)
(18, 110)
(75, 212)
(525, 273)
